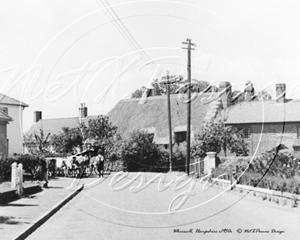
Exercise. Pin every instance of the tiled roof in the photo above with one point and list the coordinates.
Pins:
(263, 111)
(4, 117)
(11, 101)
(129, 115)
(54, 126)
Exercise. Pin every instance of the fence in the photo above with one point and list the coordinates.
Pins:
(197, 166)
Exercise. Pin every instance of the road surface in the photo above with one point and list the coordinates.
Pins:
(135, 207)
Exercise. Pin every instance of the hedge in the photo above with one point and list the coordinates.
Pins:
(32, 164)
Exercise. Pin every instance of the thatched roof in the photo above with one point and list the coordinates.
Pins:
(130, 114)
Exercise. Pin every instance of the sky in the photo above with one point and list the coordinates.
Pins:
(55, 54)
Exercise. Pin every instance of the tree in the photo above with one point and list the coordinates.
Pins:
(138, 93)
(215, 136)
(139, 152)
(101, 129)
(67, 140)
(29, 143)
(37, 143)
(159, 88)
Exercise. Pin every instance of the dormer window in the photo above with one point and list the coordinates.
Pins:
(180, 137)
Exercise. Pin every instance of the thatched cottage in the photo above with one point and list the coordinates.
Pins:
(266, 123)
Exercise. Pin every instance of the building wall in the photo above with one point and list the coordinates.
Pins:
(3, 139)
(265, 137)
(14, 129)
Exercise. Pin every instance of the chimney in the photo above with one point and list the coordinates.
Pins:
(37, 115)
(83, 111)
(225, 93)
(280, 92)
(249, 91)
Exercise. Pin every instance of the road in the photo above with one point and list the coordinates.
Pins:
(134, 207)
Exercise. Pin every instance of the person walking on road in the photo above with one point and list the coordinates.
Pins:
(100, 164)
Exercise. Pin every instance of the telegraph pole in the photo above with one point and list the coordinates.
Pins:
(168, 82)
(188, 147)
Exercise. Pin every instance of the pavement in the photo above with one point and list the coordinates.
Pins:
(20, 217)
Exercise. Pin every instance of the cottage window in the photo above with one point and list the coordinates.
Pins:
(298, 132)
(5, 110)
(245, 131)
(180, 137)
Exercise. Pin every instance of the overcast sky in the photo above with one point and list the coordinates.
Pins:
(95, 51)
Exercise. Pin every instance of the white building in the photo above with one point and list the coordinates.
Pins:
(14, 108)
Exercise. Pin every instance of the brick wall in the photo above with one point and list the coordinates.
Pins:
(266, 136)
(3, 139)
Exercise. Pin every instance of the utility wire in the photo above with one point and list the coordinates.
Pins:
(124, 31)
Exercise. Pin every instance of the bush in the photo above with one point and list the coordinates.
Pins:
(284, 165)
(5, 169)
(116, 166)
(272, 170)
(139, 153)
(162, 165)
(34, 165)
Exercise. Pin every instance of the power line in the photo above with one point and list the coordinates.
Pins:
(124, 31)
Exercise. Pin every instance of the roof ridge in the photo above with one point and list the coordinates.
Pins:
(164, 96)
(67, 118)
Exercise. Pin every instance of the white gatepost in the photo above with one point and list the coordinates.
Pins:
(13, 175)
(20, 179)
(209, 162)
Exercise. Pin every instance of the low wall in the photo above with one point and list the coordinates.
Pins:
(8, 195)
(11, 194)
(257, 190)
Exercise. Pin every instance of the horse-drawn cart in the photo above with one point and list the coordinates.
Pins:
(82, 164)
